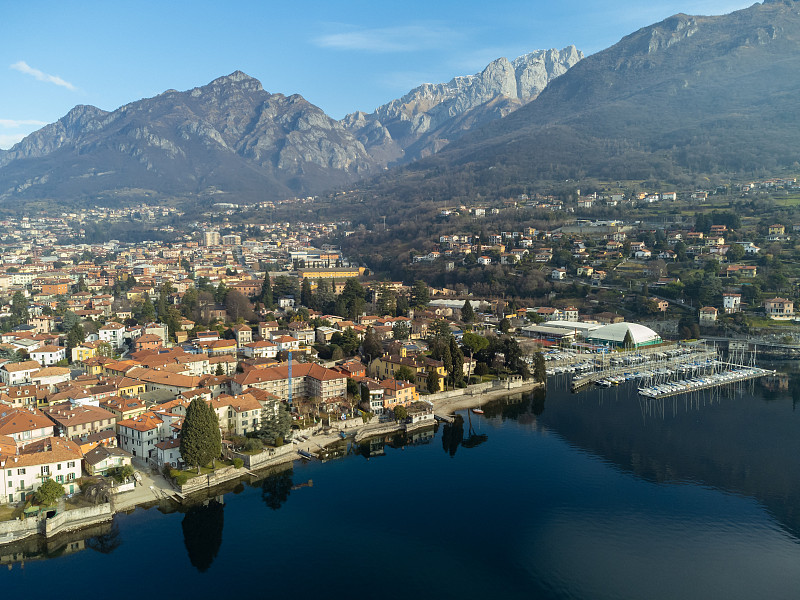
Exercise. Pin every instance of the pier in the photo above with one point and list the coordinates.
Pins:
(731, 374)
(631, 363)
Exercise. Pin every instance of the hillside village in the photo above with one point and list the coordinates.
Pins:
(105, 345)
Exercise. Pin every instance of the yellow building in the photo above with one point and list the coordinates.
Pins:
(386, 366)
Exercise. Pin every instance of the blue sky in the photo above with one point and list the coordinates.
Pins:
(342, 56)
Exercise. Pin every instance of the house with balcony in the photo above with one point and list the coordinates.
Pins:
(22, 473)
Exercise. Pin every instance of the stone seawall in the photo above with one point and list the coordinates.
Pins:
(69, 520)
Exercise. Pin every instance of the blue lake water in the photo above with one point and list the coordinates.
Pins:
(593, 495)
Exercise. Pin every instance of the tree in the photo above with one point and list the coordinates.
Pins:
(539, 369)
(401, 306)
(221, 292)
(201, 441)
(68, 321)
(627, 342)
(19, 308)
(146, 312)
(467, 313)
(735, 252)
(401, 331)
(432, 381)
(48, 493)
(405, 373)
(400, 412)
(238, 307)
(420, 296)
(276, 426)
(387, 300)
(457, 369)
(75, 336)
(505, 325)
(306, 296)
(371, 345)
(219, 371)
(352, 297)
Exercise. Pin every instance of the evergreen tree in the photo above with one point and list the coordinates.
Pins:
(420, 296)
(201, 441)
(265, 297)
(401, 306)
(405, 373)
(539, 369)
(306, 296)
(371, 345)
(221, 293)
(457, 356)
(387, 300)
(467, 314)
(147, 312)
(276, 426)
(400, 331)
(75, 336)
(19, 309)
(432, 381)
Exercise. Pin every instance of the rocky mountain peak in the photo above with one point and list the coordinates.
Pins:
(412, 126)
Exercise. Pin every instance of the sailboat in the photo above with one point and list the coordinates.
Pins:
(478, 410)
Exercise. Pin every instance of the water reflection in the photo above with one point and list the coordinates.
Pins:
(739, 439)
(102, 538)
(276, 488)
(106, 542)
(202, 533)
(376, 446)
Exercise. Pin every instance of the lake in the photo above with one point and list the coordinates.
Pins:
(600, 494)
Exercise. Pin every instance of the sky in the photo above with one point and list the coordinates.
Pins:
(343, 55)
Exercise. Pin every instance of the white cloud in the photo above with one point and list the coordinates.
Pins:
(24, 67)
(405, 38)
(15, 123)
(9, 139)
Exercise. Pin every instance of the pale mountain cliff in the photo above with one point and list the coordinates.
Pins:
(428, 117)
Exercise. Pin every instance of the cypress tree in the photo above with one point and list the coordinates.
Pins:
(266, 292)
(467, 314)
(201, 442)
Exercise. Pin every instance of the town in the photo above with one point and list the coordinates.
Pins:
(280, 334)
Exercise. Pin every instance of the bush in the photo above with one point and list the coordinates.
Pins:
(253, 445)
(238, 463)
(181, 478)
(48, 493)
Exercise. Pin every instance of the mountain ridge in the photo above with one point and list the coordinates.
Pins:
(230, 137)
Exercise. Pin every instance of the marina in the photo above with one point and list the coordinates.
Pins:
(662, 371)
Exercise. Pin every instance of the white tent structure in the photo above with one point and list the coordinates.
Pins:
(614, 335)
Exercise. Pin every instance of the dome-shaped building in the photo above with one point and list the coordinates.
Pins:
(614, 335)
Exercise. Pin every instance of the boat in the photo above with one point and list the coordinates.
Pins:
(477, 411)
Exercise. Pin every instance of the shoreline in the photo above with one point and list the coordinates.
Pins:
(155, 488)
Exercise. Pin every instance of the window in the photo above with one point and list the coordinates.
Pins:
(19, 472)
(58, 468)
(71, 476)
(59, 478)
(46, 470)
(71, 464)
(11, 484)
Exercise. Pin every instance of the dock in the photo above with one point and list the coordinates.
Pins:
(698, 357)
(685, 386)
(443, 418)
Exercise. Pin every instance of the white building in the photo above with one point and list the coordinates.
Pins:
(51, 458)
(731, 303)
(113, 333)
(47, 356)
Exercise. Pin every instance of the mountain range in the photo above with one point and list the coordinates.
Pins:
(233, 140)
(685, 100)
